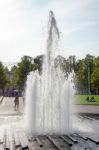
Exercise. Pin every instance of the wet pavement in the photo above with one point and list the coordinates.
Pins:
(84, 134)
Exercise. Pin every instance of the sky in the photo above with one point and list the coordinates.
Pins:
(23, 26)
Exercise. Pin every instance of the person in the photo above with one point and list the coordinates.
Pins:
(16, 102)
(92, 99)
(87, 99)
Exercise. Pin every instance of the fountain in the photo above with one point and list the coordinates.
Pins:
(48, 96)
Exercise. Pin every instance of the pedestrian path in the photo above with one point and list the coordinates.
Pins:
(7, 106)
(13, 135)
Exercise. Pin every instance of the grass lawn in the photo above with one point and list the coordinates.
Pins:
(81, 99)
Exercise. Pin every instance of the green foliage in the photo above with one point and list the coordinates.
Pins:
(85, 68)
(86, 71)
(38, 62)
(81, 71)
(21, 71)
(95, 77)
(95, 73)
(3, 76)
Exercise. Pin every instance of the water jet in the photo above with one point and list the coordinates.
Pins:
(48, 96)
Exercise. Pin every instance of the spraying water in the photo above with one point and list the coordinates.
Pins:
(48, 95)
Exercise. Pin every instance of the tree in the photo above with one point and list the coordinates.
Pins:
(95, 74)
(71, 62)
(39, 62)
(89, 65)
(95, 78)
(81, 76)
(3, 76)
(63, 64)
(21, 71)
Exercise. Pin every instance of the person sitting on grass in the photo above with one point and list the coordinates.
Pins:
(87, 99)
(92, 99)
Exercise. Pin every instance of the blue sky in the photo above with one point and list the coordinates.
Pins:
(23, 25)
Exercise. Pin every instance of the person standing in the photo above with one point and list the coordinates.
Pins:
(16, 103)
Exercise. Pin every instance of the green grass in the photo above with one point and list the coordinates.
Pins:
(81, 99)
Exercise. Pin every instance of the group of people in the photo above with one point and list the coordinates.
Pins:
(92, 99)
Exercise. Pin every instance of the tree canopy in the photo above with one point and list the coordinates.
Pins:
(3, 76)
(21, 71)
(86, 71)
